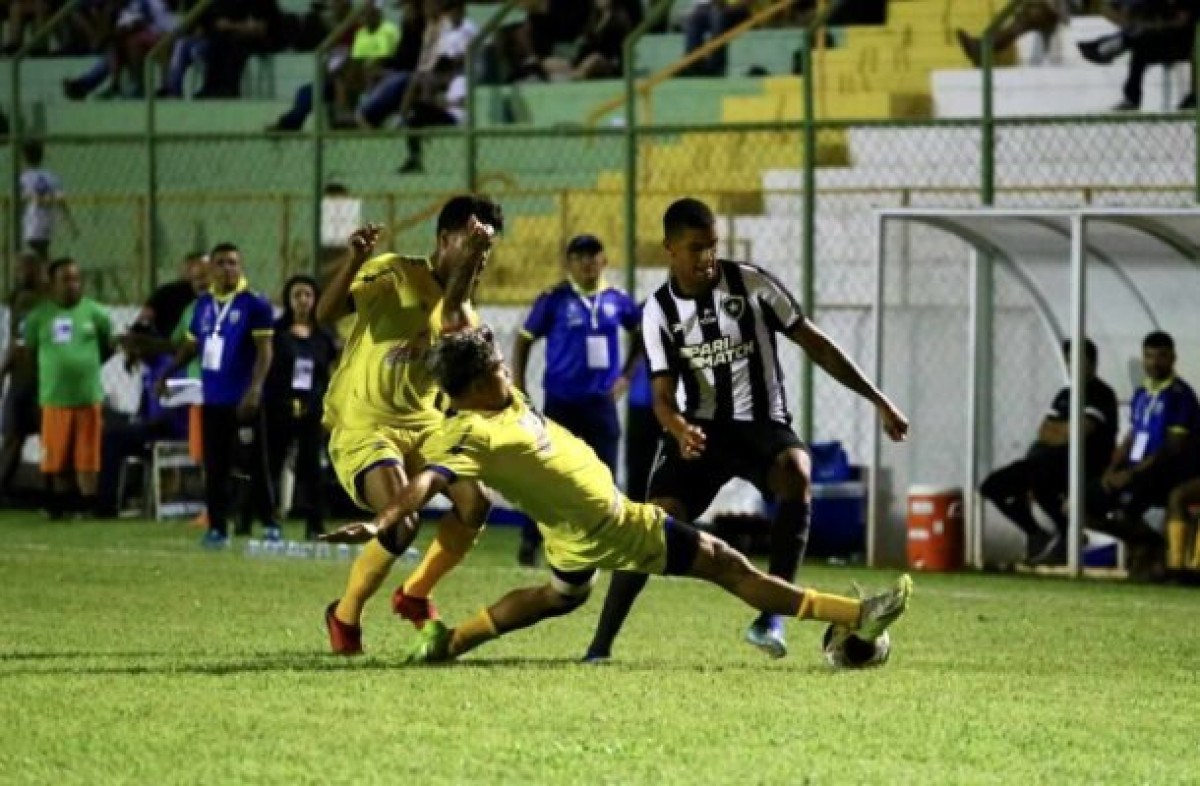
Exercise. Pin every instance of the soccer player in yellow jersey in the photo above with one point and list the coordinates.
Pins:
(383, 401)
(492, 435)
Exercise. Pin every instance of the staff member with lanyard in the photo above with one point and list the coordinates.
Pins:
(302, 357)
(231, 332)
(580, 319)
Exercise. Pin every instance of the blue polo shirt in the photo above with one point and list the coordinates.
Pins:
(641, 394)
(1157, 410)
(224, 329)
(583, 353)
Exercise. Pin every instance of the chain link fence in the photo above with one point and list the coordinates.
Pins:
(261, 192)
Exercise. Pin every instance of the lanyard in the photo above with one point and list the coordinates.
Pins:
(593, 307)
(222, 312)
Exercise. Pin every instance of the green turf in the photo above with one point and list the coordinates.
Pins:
(128, 656)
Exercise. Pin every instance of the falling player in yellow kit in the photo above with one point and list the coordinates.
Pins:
(382, 400)
(492, 436)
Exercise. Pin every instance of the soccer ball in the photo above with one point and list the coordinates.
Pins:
(844, 650)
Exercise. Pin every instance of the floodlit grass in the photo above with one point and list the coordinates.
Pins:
(127, 655)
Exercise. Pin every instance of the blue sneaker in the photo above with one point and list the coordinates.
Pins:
(273, 534)
(214, 540)
(767, 635)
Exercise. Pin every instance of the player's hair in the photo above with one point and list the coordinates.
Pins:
(460, 358)
(687, 213)
(456, 212)
(1089, 350)
(33, 151)
(58, 264)
(288, 318)
(223, 248)
(1159, 339)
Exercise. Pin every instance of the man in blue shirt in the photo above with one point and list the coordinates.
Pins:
(231, 333)
(581, 320)
(1153, 457)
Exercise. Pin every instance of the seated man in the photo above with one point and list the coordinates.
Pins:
(493, 436)
(1042, 474)
(1150, 461)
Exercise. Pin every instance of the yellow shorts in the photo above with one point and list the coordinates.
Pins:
(634, 539)
(354, 452)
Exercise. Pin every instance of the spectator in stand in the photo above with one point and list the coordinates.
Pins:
(1043, 17)
(548, 23)
(45, 200)
(710, 19)
(228, 33)
(448, 33)
(1154, 32)
(231, 334)
(22, 418)
(302, 104)
(139, 26)
(71, 336)
(1043, 474)
(581, 320)
(450, 109)
(1151, 460)
(600, 50)
(303, 355)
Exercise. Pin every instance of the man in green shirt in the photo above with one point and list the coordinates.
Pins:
(71, 337)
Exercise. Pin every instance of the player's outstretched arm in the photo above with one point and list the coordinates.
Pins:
(469, 258)
(666, 409)
(411, 498)
(828, 355)
(335, 301)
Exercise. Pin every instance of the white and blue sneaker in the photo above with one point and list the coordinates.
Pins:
(767, 635)
(273, 534)
(214, 540)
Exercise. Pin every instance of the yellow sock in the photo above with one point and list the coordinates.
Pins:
(366, 575)
(478, 630)
(830, 608)
(1177, 532)
(436, 564)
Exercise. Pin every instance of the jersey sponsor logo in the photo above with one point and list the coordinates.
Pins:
(708, 317)
(677, 328)
(718, 352)
(734, 306)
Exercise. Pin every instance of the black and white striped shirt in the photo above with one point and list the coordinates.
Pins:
(721, 346)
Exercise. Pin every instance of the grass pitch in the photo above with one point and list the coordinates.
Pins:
(128, 655)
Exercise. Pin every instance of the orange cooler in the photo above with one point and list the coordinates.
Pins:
(935, 528)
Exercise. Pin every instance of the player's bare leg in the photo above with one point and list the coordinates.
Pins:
(721, 564)
(380, 485)
(458, 530)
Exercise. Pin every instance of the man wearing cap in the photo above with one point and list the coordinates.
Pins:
(580, 319)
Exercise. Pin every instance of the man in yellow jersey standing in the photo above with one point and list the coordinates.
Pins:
(493, 436)
(382, 400)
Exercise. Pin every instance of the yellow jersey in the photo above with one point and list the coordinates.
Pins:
(381, 379)
(555, 478)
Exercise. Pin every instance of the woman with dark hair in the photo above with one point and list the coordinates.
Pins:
(304, 355)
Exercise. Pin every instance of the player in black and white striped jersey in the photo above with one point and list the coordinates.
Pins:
(711, 334)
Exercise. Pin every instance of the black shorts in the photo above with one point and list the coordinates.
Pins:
(743, 450)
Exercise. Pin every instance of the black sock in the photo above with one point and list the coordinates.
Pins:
(789, 538)
(622, 592)
(1017, 510)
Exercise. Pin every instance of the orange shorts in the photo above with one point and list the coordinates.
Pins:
(71, 439)
(195, 436)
